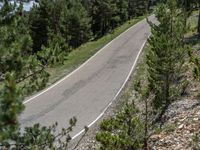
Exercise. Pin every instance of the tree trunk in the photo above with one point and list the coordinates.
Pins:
(146, 126)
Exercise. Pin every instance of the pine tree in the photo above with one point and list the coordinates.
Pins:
(56, 26)
(36, 137)
(39, 23)
(137, 7)
(10, 107)
(166, 55)
(76, 23)
(195, 60)
(122, 10)
(124, 131)
(16, 52)
(21, 73)
(103, 13)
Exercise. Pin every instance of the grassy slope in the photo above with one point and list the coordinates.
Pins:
(84, 52)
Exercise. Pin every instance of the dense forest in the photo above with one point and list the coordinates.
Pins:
(32, 41)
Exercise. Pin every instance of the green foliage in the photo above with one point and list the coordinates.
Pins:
(16, 52)
(54, 53)
(124, 131)
(38, 137)
(108, 14)
(166, 56)
(195, 142)
(195, 60)
(10, 107)
(76, 23)
(122, 10)
(197, 68)
(188, 5)
(21, 73)
(137, 7)
(56, 26)
(29, 138)
(103, 13)
(38, 21)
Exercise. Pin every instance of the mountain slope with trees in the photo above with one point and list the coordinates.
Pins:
(33, 41)
(30, 42)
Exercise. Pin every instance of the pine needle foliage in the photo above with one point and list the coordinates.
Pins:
(124, 131)
(165, 58)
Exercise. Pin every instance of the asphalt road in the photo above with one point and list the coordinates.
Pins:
(87, 92)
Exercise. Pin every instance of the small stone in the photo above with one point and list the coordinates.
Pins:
(198, 113)
(195, 119)
(181, 126)
(183, 119)
(193, 90)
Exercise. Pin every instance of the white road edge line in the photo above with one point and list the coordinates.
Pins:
(58, 82)
(122, 87)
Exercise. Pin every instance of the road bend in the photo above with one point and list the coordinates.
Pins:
(88, 91)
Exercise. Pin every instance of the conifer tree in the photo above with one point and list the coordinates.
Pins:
(19, 65)
(137, 7)
(196, 61)
(56, 26)
(38, 21)
(76, 23)
(36, 137)
(197, 68)
(10, 107)
(103, 14)
(124, 131)
(16, 53)
(122, 10)
(166, 55)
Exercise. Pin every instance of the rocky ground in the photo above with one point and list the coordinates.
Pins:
(182, 128)
(180, 132)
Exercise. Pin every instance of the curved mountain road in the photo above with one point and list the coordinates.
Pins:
(87, 92)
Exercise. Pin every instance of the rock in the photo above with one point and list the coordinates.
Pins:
(181, 126)
(198, 113)
(183, 119)
(195, 119)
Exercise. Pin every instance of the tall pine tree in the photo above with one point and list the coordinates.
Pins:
(103, 14)
(76, 23)
(166, 55)
(16, 53)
